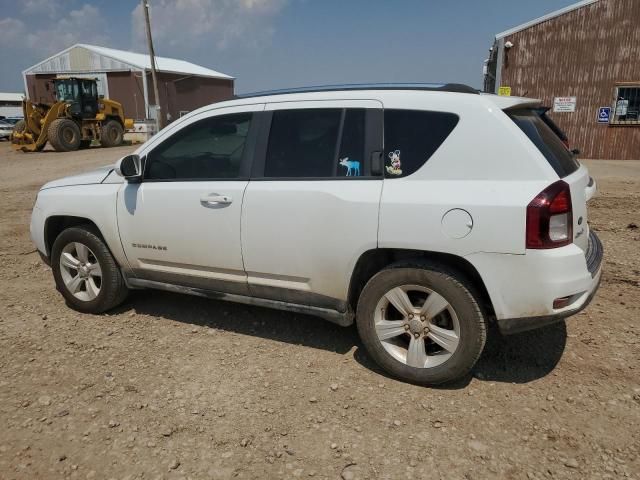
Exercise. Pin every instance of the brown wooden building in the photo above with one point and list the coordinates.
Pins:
(584, 62)
(126, 77)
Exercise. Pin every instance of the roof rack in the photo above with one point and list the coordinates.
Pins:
(436, 87)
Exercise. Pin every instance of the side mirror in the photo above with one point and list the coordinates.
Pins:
(576, 151)
(130, 168)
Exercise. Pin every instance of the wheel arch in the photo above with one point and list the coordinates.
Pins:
(113, 117)
(373, 261)
(56, 224)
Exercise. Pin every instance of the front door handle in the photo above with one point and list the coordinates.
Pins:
(216, 199)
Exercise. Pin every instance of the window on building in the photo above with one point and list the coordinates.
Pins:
(626, 107)
(209, 149)
(411, 137)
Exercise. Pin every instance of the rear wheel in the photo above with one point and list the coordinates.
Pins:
(85, 272)
(64, 135)
(111, 134)
(422, 325)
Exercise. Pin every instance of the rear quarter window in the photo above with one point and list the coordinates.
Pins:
(411, 137)
(546, 140)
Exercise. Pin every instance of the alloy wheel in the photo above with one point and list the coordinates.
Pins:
(80, 271)
(417, 326)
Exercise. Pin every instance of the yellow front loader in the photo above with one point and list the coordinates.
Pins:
(77, 118)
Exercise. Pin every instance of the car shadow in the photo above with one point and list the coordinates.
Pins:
(522, 357)
(519, 358)
(251, 320)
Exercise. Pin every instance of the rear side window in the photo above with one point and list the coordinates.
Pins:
(302, 143)
(547, 141)
(316, 143)
(411, 137)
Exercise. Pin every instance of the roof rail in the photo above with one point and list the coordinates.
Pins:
(436, 87)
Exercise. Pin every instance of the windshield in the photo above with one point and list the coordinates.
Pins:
(547, 141)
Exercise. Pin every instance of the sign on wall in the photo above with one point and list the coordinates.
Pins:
(604, 114)
(622, 106)
(504, 91)
(564, 104)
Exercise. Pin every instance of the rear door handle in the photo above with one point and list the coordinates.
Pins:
(216, 199)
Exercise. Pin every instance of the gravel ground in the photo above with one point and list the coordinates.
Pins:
(171, 386)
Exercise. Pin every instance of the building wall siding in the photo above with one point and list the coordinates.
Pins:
(124, 88)
(40, 89)
(583, 53)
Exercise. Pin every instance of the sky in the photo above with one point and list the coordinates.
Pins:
(269, 44)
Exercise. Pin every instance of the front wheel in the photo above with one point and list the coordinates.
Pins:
(422, 325)
(85, 272)
(64, 135)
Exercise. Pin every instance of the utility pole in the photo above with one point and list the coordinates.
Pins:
(152, 55)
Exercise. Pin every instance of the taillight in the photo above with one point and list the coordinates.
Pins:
(550, 218)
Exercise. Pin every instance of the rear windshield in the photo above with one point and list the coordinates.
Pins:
(547, 141)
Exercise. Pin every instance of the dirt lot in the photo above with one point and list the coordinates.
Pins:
(171, 386)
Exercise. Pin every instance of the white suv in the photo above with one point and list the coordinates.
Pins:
(420, 212)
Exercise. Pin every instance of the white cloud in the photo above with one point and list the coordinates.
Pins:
(11, 29)
(83, 25)
(41, 7)
(178, 25)
(80, 25)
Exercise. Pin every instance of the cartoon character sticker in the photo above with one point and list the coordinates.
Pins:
(353, 167)
(395, 167)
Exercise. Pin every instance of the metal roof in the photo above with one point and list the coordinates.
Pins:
(141, 61)
(11, 97)
(438, 87)
(546, 17)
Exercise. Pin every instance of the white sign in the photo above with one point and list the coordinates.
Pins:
(622, 106)
(564, 104)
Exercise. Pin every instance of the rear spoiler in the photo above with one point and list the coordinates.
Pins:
(509, 103)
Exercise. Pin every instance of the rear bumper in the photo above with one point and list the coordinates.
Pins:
(523, 288)
(509, 326)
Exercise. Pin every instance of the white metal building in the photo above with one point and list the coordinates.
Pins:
(126, 77)
(11, 104)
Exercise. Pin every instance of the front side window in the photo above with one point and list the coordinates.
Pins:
(208, 149)
(411, 137)
(626, 108)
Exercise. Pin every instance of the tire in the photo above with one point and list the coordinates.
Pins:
(111, 134)
(20, 126)
(76, 283)
(438, 365)
(64, 135)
